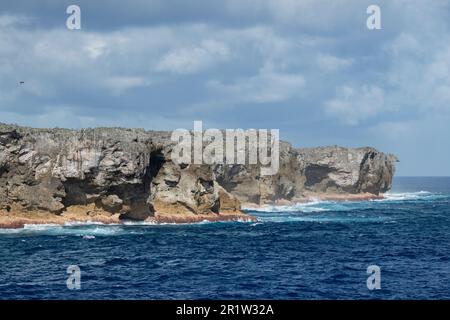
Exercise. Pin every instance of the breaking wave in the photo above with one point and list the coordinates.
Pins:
(321, 206)
(407, 196)
(91, 230)
(313, 211)
(344, 211)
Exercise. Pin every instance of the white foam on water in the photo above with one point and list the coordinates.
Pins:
(88, 223)
(89, 230)
(406, 196)
(39, 227)
(75, 229)
(139, 223)
(11, 231)
(314, 210)
(97, 231)
(341, 219)
(242, 220)
(255, 224)
(307, 207)
(324, 206)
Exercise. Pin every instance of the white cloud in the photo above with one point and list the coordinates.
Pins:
(8, 20)
(330, 63)
(405, 44)
(119, 85)
(194, 59)
(394, 130)
(353, 105)
(419, 72)
(317, 14)
(95, 46)
(62, 116)
(267, 86)
(50, 61)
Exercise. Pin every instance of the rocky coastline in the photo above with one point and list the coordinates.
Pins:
(113, 175)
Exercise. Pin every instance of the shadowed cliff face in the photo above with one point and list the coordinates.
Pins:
(129, 171)
(313, 172)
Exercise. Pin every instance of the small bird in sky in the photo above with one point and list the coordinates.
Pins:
(22, 82)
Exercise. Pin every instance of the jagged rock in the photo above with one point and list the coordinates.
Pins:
(312, 172)
(184, 189)
(227, 201)
(111, 203)
(130, 172)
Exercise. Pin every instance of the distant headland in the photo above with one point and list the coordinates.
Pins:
(111, 175)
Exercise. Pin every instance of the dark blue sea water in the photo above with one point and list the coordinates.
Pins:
(319, 250)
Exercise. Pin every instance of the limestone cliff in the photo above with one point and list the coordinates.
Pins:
(324, 172)
(128, 173)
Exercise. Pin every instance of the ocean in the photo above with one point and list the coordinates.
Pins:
(316, 250)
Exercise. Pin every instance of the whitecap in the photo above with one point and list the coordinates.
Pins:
(139, 223)
(307, 207)
(88, 223)
(407, 196)
(39, 227)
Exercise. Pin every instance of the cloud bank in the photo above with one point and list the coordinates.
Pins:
(310, 68)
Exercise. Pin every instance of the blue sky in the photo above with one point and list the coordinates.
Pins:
(309, 68)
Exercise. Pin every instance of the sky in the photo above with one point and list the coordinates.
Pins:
(310, 68)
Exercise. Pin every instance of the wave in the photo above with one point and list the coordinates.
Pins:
(408, 196)
(326, 205)
(343, 211)
(315, 210)
(90, 230)
(312, 206)
(86, 230)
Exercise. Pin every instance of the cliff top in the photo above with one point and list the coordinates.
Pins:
(132, 134)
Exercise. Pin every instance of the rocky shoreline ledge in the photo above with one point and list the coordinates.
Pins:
(111, 175)
(17, 220)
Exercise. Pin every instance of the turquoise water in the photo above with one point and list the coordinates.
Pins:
(317, 250)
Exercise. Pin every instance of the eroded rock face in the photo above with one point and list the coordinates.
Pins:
(129, 171)
(53, 169)
(312, 172)
(126, 171)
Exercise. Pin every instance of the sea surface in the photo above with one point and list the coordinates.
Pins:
(317, 250)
